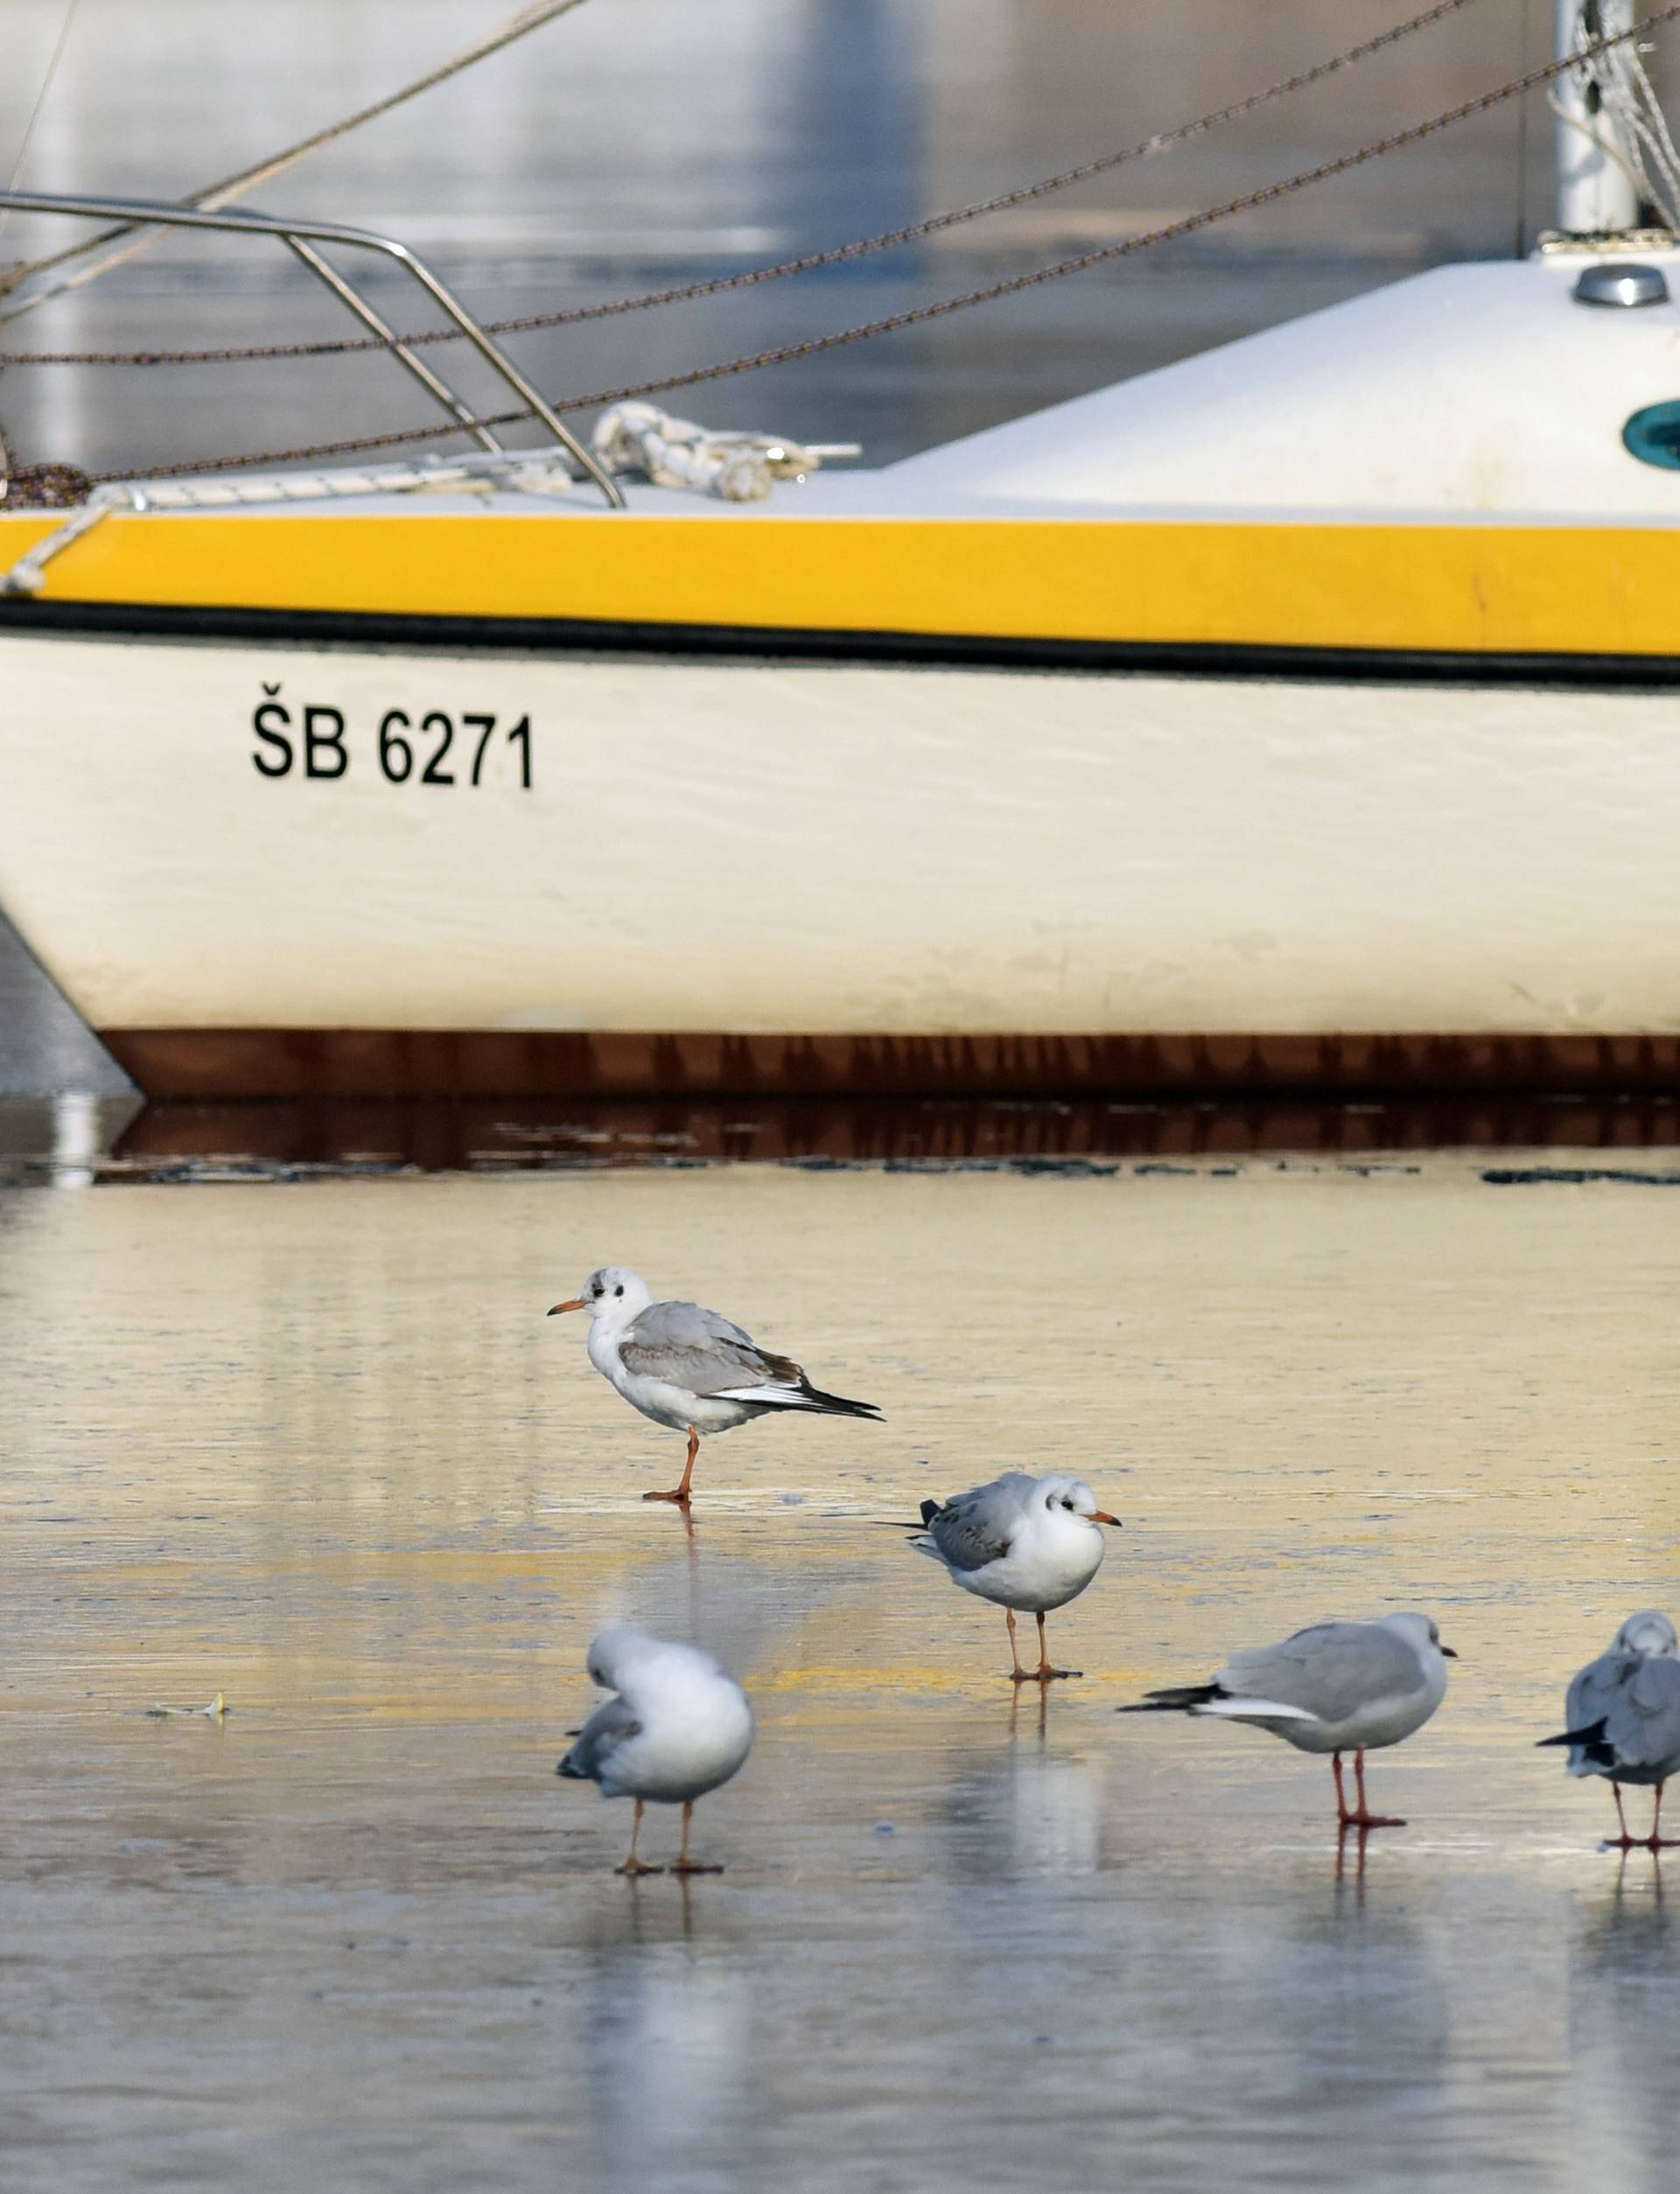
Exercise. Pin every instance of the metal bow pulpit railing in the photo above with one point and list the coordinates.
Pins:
(302, 237)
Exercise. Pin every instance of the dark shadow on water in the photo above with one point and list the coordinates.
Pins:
(197, 1142)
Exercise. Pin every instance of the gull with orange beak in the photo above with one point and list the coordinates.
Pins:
(688, 1368)
(1334, 1687)
(1025, 1544)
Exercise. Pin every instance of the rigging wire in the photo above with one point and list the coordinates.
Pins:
(1523, 10)
(215, 195)
(40, 97)
(1627, 98)
(917, 315)
(7, 461)
(837, 256)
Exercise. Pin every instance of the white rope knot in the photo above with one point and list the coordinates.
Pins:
(741, 468)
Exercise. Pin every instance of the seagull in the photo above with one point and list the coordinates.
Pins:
(678, 1727)
(1337, 1687)
(1623, 1717)
(688, 1368)
(1030, 1543)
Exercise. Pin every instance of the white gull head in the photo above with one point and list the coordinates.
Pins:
(1066, 1499)
(1649, 1634)
(1422, 1634)
(613, 1296)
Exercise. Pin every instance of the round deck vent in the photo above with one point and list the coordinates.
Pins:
(1653, 435)
(1621, 282)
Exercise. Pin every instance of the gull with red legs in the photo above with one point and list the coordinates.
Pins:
(688, 1368)
(1621, 1718)
(1027, 1545)
(1336, 1687)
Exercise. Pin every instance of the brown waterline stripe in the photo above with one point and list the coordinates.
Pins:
(191, 1140)
(1409, 1068)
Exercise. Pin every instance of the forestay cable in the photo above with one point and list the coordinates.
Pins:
(811, 262)
(917, 315)
(216, 195)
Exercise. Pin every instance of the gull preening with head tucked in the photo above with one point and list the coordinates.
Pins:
(1623, 1717)
(1026, 1544)
(690, 1369)
(1337, 1687)
(678, 1727)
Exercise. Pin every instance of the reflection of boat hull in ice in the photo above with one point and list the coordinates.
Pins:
(967, 773)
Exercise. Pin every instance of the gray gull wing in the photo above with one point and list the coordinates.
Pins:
(1594, 1692)
(700, 1351)
(606, 1729)
(977, 1528)
(1643, 1726)
(1330, 1671)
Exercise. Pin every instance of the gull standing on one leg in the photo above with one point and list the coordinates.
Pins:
(1622, 1718)
(690, 1368)
(1024, 1543)
(1337, 1687)
(679, 1727)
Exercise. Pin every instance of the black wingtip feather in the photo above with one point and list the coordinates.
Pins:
(1179, 1700)
(929, 1510)
(837, 1404)
(1590, 1740)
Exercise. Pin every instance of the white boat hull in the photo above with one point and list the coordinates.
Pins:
(867, 849)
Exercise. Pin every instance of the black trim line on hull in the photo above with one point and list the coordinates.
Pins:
(1218, 659)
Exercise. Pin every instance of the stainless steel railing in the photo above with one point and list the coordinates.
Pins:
(301, 237)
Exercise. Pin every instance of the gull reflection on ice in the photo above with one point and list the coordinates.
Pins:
(1624, 2013)
(668, 2045)
(1028, 1808)
(1332, 2022)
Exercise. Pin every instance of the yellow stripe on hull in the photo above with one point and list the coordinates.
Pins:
(1468, 588)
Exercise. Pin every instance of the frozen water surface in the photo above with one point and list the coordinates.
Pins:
(318, 1448)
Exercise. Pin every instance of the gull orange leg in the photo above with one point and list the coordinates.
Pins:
(1656, 1841)
(1364, 1818)
(684, 1864)
(1044, 1671)
(1623, 1842)
(634, 1866)
(1021, 1675)
(680, 1494)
